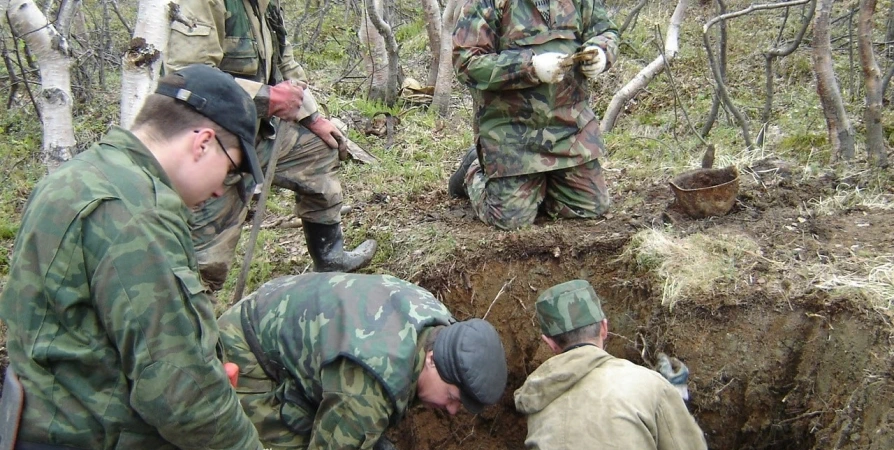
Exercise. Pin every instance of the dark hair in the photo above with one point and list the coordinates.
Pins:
(578, 335)
(171, 116)
(429, 343)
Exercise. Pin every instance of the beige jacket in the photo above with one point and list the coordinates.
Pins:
(239, 41)
(586, 398)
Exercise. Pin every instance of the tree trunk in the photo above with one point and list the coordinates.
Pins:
(872, 115)
(431, 10)
(383, 55)
(642, 79)
(141, 64)
(54, 99)
(440, 102)
(841, 133)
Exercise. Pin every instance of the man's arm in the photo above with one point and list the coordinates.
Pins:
(475, 57)
(677, 429)
(355, 409)
(601, 32)
(160, 318)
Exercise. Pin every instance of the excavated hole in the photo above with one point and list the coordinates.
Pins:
(805, 375)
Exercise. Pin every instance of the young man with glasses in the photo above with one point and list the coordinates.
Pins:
(111, 333)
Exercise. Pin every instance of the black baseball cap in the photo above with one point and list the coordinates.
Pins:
(470, 355)
(216, 95)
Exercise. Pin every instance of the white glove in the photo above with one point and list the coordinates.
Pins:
(550, 67)
(595, 64)
(673, 370)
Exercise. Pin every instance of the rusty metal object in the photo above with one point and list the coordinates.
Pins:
(703, 193)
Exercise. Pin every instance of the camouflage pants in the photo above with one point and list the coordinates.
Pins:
(512, 202)
(306, 166)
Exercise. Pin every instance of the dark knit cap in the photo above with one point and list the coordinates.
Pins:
(470, 355)
(216, 95)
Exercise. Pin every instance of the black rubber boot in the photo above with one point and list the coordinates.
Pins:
(456, 187)
(325, 243)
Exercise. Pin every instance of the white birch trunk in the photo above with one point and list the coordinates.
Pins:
(645, 76)
(141, 64)
(444, 82)
(54, 98)
(375, 55)
(432, 13)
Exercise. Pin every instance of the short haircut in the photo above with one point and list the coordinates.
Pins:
(161, 113)
(583, 334)
(429, 343)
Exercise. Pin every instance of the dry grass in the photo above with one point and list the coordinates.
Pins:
(869, 278)
(692, 265)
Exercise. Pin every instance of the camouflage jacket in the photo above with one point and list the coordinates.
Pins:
(562, 397)
(523, 126)
(309, 324)
(111, 332)
(235, 36)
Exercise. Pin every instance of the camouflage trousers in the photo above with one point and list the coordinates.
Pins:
(305, 165)
(512, 202)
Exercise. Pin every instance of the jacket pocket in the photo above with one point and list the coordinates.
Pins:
(197, 300)
(240, 56)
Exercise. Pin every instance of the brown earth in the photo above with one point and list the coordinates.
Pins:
(775, 362)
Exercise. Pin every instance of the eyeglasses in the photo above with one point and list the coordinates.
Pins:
(235, 170)
(234, 175)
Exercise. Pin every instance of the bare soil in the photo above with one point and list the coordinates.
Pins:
(775, 362)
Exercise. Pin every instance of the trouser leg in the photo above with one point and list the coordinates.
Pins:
(309, 170)
(507, 203)
(577, 192)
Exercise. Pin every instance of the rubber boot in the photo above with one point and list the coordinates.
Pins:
(456, 186)
(325, 243)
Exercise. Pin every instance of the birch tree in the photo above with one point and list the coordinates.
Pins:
(141, 64)
(645, 76)
(54, 100)
(872, 76)
(444, 82)
(841, 133)
(382, 55)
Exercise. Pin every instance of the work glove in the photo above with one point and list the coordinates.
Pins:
(232, 373)
(592, 61)
(384, 444)
(285, 99)
(550, 67)
(673, 370)
(328, 132)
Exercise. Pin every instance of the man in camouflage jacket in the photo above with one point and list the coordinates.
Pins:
(247, 39)
(110, 331)
(537, 139)
(331, 360)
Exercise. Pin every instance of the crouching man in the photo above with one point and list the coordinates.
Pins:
(331, 360)
(585, 398)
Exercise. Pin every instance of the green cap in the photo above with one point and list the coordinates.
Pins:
(568, 306)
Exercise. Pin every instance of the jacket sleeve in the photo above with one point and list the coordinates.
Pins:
(355, 410)
(161, 320)
(677, 429)
(601, 30)
(476, 58)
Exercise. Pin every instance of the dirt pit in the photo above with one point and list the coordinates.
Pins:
(810, 375)
(775, 363)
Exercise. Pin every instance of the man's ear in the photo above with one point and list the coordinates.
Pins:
(603, 331)
(430, 358)
(199, 143)
(551, 343)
